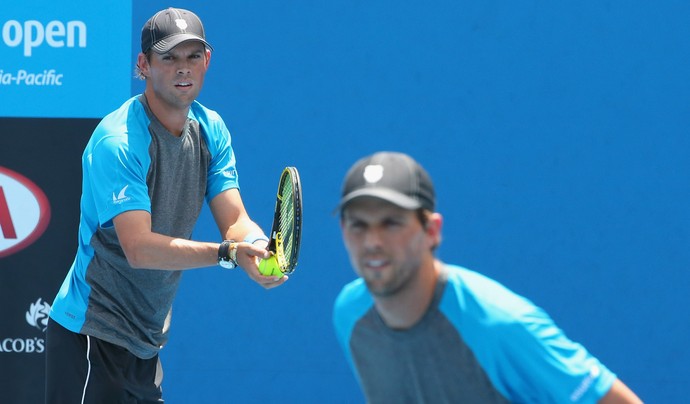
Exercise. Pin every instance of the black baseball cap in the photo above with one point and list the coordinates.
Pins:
(169, 28)
(393, 177)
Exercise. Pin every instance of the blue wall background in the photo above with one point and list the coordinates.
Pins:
(557, 138)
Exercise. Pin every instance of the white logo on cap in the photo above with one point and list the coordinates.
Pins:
(181, 24)
(373, 173)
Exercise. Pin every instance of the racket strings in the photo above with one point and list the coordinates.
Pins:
(287, 221)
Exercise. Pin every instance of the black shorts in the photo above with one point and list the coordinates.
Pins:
(84, 369)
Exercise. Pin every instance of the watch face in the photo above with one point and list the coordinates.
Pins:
(226, 264)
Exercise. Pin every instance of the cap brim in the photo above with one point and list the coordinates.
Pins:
(388, 195)
(166, 44)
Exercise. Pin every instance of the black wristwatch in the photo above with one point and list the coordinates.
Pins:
(227, 254)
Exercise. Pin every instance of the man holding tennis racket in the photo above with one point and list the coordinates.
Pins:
(417, 330)
(147, 170)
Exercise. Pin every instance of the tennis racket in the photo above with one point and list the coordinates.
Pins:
(286, 231)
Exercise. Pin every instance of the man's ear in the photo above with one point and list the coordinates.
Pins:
(434, 224)
(143, 63)
(208, 57)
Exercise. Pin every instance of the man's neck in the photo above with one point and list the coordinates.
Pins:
(405, 308)
(172, 118)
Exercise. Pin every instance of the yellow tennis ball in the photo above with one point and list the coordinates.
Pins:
(269, 267)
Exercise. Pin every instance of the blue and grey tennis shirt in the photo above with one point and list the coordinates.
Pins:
(477, 343)
(130, 163)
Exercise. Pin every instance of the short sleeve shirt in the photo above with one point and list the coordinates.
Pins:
(477, 343)
(132, 162)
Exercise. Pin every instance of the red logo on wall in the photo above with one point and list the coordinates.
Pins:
(24, 212)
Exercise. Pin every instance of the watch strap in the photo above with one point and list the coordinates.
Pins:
(227, 254)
